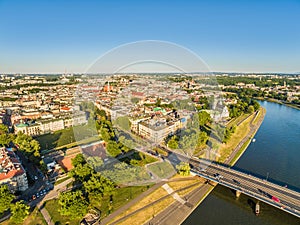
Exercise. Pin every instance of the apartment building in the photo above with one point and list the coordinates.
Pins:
(12, 172)
(157, 130)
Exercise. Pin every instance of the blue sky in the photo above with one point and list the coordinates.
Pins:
(244, 36)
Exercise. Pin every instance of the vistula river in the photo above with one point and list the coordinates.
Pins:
(274, 156)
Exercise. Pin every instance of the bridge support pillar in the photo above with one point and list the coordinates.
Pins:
(237, 193)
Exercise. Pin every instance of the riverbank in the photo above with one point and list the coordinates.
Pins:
(278, 102)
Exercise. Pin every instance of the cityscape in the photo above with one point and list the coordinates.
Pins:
(149, 132)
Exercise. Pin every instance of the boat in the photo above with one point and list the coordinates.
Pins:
(257, 208)
(253, 140)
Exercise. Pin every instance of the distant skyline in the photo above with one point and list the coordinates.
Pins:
(230, 36)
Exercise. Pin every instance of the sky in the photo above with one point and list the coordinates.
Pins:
(231, 36)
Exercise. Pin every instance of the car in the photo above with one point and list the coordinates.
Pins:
(33, 197)
(218, 176)
(275, 199)
(37, 195)
(35, 177)
(41, 193)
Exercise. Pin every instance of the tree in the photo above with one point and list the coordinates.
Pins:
(250, 109)
(79, 159)
(202, 138)
(113, 148)
(255, 105)
(19, 211)
(183, 169)
(81, 172)
(3, 129)
(5, 198)
(98, 185)
(173, 143)
(204, 118)
(73, 204)
(95, 162)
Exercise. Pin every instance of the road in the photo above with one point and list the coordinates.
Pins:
(258, 188)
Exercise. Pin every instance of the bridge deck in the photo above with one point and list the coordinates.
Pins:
(260, 189)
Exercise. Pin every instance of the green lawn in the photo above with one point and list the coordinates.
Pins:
(66, 136)
(162, 169)
(140, 158)
(52, 207)
(121, 197)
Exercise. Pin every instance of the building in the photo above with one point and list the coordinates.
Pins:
(29, 129)
(44, 126)
(12, 172)
(157, 130)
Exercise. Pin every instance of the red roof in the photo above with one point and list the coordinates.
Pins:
(10, 174)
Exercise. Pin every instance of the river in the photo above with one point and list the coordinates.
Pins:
(274, 156)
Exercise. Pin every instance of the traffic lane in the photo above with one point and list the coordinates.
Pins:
(247, 183)
(256, 180)
(269, 187)
(252, 191)
(252, 182)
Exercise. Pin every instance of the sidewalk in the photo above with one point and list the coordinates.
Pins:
(177, 212)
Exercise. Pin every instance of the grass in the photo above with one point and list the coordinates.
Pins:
(67, 136)
(176, 185)
(120, 198)
(160, 151)
(241, 131)
(150, 210)
(62, 180)
(140, 158)
(34, 218)
(240, 152)
(157, 194)
(261, 112)
(237, 120)
(162, 169)
(148, 213)
(52, 207)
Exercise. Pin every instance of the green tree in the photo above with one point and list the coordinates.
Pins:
(250, 109)
(204, 118)
(5, 198)
(99, 185)
(95, 162)
(3, 129)
(202, 138)
(73, 204)
(79, 159)
(183, 169)
(81, 172)
(113, 148)
(19, 212)
(173, 143)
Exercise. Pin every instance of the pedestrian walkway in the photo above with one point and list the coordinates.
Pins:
(174, 194)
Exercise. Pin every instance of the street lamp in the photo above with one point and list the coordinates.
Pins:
(267, 176)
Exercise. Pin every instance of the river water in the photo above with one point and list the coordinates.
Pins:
(274, 156)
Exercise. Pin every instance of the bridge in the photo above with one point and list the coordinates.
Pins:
(265, 191)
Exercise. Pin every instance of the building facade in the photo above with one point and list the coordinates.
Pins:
(12, 172)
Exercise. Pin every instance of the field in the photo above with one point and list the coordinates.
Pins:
(162, 169)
